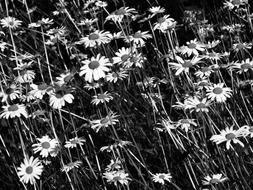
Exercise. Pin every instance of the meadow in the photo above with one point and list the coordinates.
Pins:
(99, 95)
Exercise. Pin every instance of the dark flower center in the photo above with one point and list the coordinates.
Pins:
(101, 96)
(161, 176)
(74, 141)
(114, 75)
(201, 105)
(116, 178)
(205, 69)
(60, 93)
(214, 180)
(187, 64)
(93, 36)
(192, 45)
(29, 170)
(137, 35)
(185, 121)
(45, 145)
(13, 108)
(217, 90)
(230, 136)
(251, 129)
(9, 91)
(125, 57)
(236, 2)
(240, 46)
(104, 120)
(120, 12)
(246, 66)
(93, 65)
(67, 78)
(42, 86)
(161, 20)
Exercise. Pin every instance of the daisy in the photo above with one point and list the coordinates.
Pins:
(123, 55)
(219, 93)
(10, 22)
(214, 56)
(95, 68)
(107, 121)
(38, 91)
(214, 179)
(118, 15)
(213, 44)
(183, 66)
(72, 143)
(202, 84)
(96, 38)
(114, 165)
(116, 76)
(58, 98)
(65, 78)
(248, 130)
(195, 104)
(71, 165)
(241, 46)
(231, 4)
(45, 146)
(25, 76)
(229, 135)
(204, 72)
(162, 177)
(244, 66)
(30, 170)
(139, 37)
(10, 93)
(101, 98)
(116, 177)
(193, 47)
(186, 124)
(12, 111)
(156, 10)
(93, 85)
(164, 23)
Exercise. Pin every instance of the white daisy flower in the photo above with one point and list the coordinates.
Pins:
(72, 143)
(107, 121)
(118, 15)
(193, 47)
(162, 177)
(117, 177)
(58, 98)
(213, 179)
(30, 170)
(101, 98)
(15, 110)
(10, 22)
(71, 165)
(241, 67)
(218, 92)
(164, 23)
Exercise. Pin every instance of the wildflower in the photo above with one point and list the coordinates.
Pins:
(164, 23)
(93, 85)
(228, 135)
(204, 72)
(114, 165)
(10, 22)
(10, 93)
(72, 143)
(231, 4)
(202, 84)
(65, 78)
(107, 121)
(30, 170)
(248, 130)
(219, 93)
(244, 66)
(25, 76)
(214, 56)
(241, 46)
(45, 146)
(123, 55)
(95, 68)
(118, 15)
(15, 110)
(213, 179)
(195, 104)
(58, 98)
(38, 91)
(101, 4)
(116, 177)
(156, 10)
(96, 38)
(213, 44)
(186, 124)
(101, 98)
(45, 21)
(139, 37)
(71, 165)
(116, 75)
(184, 65)
(193, 47)
(162, 177)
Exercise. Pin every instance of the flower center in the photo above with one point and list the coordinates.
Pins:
(217, 90)
(161, 20)
(104, 120)
(161, 176)
(203, 83)
(246, 66)
(93, 65)
(187, 64)
(74, 141)
(116, 178)
(230, 136)
(240, 46)
(137, 35)
(192, 45)
(29, 170)
(67, 78)
(93, 36)
(45, 145)
(120, 12)
(13, 108)
(115, 75)
(9, 91)
(60, 93)
(214, 180)
(125, 57)
(205, 69)
(251, 129)
(101, 96)
(236, 2)
(201, 105)
(185, 121)
(42, 86)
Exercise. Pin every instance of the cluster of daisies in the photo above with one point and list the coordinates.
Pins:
(113, 60)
